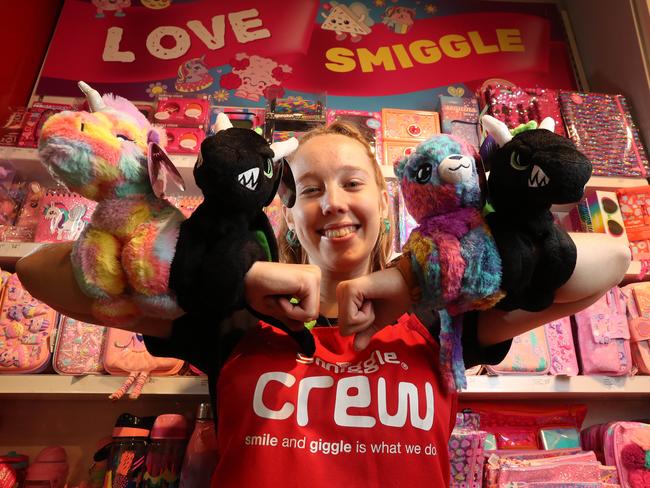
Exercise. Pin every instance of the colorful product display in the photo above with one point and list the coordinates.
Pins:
(602, 127)
(515, 106)
(182, 111)
(459, 117)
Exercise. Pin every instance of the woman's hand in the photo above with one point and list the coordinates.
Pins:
(270, 286)
(370, 303)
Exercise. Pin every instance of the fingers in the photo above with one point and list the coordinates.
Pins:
(363, 338)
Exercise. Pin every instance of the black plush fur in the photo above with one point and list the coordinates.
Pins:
(222, 239)
(537, 256)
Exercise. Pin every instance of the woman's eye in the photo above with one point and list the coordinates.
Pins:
(353, 184)
(308, 190)
(268, 168)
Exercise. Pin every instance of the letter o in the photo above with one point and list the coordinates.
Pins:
(181, 38)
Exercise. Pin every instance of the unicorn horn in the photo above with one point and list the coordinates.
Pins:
(222, 123)
(95, 101)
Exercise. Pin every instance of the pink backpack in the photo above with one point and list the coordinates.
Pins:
(126, 354)
(638, 318)
(604, 336)
(26, 330)
(79, 347)
(627, 446)
(528, 355)
(561, 348)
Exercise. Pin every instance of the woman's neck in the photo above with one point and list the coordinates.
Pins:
(329, 306)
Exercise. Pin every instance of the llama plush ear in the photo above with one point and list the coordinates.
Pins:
(160, 169)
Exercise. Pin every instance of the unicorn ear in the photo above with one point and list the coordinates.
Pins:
(497, 129)
(284, 148)
(95, 101)
(548, 123)
(222, 123)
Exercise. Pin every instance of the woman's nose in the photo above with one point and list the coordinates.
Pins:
(333, 201)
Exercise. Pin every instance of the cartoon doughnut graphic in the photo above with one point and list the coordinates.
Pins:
(156, 4)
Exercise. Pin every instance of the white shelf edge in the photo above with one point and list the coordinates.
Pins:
(54, 384)
(555, 386)
(29, 167)
(478, 386)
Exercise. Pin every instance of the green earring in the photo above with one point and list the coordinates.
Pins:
(386, 226)
(291, 238)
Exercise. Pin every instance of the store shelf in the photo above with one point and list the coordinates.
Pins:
(479, 387)
(57, 385)
(29, 167)
(527, 387)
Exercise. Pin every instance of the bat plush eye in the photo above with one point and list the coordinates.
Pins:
(517, 163)
(268, 168)
(423, 174)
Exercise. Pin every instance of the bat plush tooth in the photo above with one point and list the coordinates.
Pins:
(249, 178)
(538, 178)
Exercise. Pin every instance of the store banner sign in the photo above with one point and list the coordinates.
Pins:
(253, 49)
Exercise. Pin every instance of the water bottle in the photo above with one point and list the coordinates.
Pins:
(127, 451)
(201, 454)
(166, 451)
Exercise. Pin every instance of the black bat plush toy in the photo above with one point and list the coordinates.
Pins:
(239, 173)
(529, 172)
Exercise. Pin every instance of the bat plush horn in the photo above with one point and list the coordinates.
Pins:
(222, 123)
(95, 101)
(284, 148)
(497, 129)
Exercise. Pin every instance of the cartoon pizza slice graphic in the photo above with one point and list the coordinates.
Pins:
(343, 21)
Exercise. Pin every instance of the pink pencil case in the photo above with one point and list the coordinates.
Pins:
(528, 355)
(79, 347)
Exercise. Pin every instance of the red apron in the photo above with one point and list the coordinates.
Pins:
(378, 417)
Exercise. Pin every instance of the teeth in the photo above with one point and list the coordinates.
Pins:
(342, 232)
(538, 178)
(249, 178)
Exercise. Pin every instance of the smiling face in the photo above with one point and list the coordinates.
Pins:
(339, 207)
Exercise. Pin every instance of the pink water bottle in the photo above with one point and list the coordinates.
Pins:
(201, 454)
(168, 440)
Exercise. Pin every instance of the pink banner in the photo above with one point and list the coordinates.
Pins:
(437, 51)
(140, 44)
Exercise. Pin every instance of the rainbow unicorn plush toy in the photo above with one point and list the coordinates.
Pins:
(452, 251)
(114, 156)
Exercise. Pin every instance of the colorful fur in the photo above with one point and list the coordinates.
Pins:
(122, 258)
(452, 250)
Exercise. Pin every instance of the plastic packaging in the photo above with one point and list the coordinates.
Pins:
(201, 455)
(166, 451)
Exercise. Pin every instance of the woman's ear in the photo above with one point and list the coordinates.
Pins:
(287, 215)
(384, 207)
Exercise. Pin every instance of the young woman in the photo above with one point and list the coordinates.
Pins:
(369, 409)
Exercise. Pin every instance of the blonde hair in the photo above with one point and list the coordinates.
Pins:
(383, 247)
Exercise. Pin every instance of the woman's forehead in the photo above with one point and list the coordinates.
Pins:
(329, 151)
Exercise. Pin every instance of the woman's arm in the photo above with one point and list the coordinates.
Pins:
(47, 275)
(601, 264)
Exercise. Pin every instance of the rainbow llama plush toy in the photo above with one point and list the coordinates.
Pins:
(452, 252)
(113, 155)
